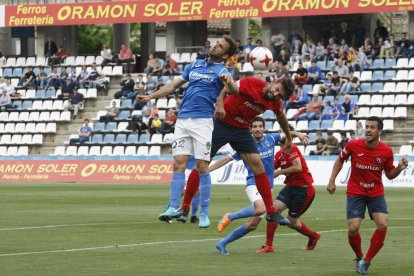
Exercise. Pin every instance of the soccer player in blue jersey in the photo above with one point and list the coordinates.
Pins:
(266, 144)
(194, 126)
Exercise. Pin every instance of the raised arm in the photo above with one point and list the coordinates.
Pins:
(220, 163)
(402, 164)
(284, 125)
(163, 91)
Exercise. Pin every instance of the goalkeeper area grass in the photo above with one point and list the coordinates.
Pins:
(84, 229)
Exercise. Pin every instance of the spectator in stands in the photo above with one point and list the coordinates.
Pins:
(389, 48)
(2, 83)
(281, 71)
(125, 56)
(5, 101)
(343, 49)
(203, 52)
(169, 122)
(327, 112)
(150, 64)
(170, 66)
(67, 89)
(368, 47)
(409, 53)
(136, 124)
(320, 144)
(28, 78)
(50, 47)
(312, 111)
(63, 74)
(350, 84)
(361, 60)
(76, 100)
(2, 60)
(155, 124)
(53, 80)
(308, 49)
(259, 43)
(74, 76)
(331, 50)
(151, 84)
(314, 73)
(296, 52)
(347, 109)
(59, 57)
(277, 40)
(111, 113)
(380, 31)
(96, 79)
(137, 104)
(332, 146)
(301, 99)
(11, 89)
(84, 134)
(170, 79)
(402, 45)
(283, 58)
(139, 83)
(106, 54)
(336, 108)
(377, 47)
(239, 52)
(319, 52)
(342, 69)
(158, 67)
(160, 83)
(344, 33)
(301, 75)
(352, 135)
(83, 77)
(359, 131)
(127, 86)
(359, 35)
(344, 140)
(293, 37)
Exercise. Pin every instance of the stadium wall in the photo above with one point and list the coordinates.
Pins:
(131, 169)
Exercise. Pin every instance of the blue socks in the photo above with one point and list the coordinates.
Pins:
(176, 188)
(194, 205)
(205, 192)
(243, 213)
(235, 235)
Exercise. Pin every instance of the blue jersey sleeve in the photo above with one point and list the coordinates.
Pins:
(276, 137)
(186, 73)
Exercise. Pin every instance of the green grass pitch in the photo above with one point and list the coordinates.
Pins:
(75, 229)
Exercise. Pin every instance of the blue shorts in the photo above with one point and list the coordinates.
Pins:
(356, 206)
(240, 139)
(297, 199)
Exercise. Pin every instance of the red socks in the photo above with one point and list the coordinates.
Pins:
(305, 230)
(355, 243)
(377, 241)
(191, 189)
(270, 232)
(263, 186)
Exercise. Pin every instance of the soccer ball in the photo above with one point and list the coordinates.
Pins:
(261, 58)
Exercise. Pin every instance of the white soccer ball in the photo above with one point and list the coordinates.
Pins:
(261, 58)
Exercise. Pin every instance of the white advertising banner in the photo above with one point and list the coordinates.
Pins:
(2, 16)
(235, 173)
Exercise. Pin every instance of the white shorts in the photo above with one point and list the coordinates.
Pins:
(253, 194)
(193, 137)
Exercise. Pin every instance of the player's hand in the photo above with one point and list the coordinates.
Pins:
(303, 138)
(403, 163)
(143, 98)
(226, 78)
(277, 173)
(219, 113)
(331, 188)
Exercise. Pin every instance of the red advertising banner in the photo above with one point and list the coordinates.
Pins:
(86, 171)
(185, 10)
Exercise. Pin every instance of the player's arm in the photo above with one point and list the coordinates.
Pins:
(220, 112)
(163, 91)
(303, 137)
(229, 83)
(337, 167)
(402, 164)
(220, 163)
(284, 125)
(295, 168)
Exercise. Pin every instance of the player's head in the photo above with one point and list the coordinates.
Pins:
(258, 128)
(373, 128)
(224, 48)
(283, 88)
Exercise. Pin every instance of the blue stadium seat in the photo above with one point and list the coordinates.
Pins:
(17, 104)
(390, 62)
(97, 139)
(307, 88)
(378, 63)
(121, 139)
(27, 105)
(312, 137)
(268, 124)
(330, 64)
(40, 94)
(17, 72)
(165, 79)
(325, 124)
(378, 75)
(389, 75)
(132, 138)
(268, 114)
(48, 71)
(111, 126)
(377, 86)
(365, 87)
(329, 98)
(8, 72)
(144, 138)
(50, 93)
(314, 124)
(36, 70)
(126, 103)
(322, 65)
(109, 138)
(99, 126)
(354, 98)
(123, 115)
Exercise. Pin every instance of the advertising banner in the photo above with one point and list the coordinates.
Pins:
(185, 10)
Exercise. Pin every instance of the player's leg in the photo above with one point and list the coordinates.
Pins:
(194, 208)
(205, 192)
(190, 190)
(355, 212)
(377, 207)
(256, 209)
(250, 225)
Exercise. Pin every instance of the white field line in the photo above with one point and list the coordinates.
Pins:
(169, 242)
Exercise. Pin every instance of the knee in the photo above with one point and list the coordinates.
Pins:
(202, 166)
(382, 226)
(260, 210)
(251, 226)
(179, 166)
(353, 228)
(294, 223)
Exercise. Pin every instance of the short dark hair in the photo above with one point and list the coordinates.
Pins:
(378, 120)
(343, 133)
(232, 45)
(259, 119)
(288, 86)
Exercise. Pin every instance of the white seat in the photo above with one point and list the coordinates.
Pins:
(402, 75)
(20, 127)
(156, 138)
(5, 139)
(400, 99)
(406, 150)
(107, 70)
(162, 103)
(27, 139)
(389, 87)
(291, 112)
(363, 111)
(310, 148)
(47, 105)
(40, 128)
(54, 116)
(193, 56)
(364, 100)
(95, 150)
(122, 126)
(16, 139)
(276, 126)
(57, 105)
(388, 112)
(400, 112)
(92, 93)
(401, 87)
(83, 150)
(9, 128)
(23, 151)
(31, 61)
(65, 116)
(130, 150)
(389, 125)
(41, 61)
(30, 128)
(301, 125)
(34, 116)
(410, 98)
(118, 151)
(376, 111)
(37, 139)
(337, 125)
(11, 62)
(71, 151)
(80, 60)
(106, 150)
(4, 116)
(402, 63)
(175, 56)
(3, 151)
(23, 117)
(59, 150)
(388, 100)
(99, 60)
(185, 58)
(21, 62)
(44, 116)
(12, 151)
(89, 60)
(366, 75)
(154, 151)
(14, 116)
(100, 113)
(117, 71)
(376, 99)
(168, 138)
(411, 75)
(50, 128)
(172, 103)
(350, 125)
(30, 93)
(1, 127)
(70, 61)
(143, 151)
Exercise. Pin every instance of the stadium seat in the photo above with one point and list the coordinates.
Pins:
(126, 103)
(130, 150)
(378, 75)
(64, 116)
(97, 139)
(31, 61)
(364, 100)
(350, 125)
(50, 128)
(83, 150)
(106, 151)
(132, 138)
(80, 60)
(377, 87)
(99, 126)
(121, 139)
(337, 125)
(59, 150)
(11, 62)
(389, 75)
(314, 125)
(376, 100)
(14, 116)
(406, 150)
(302, 125)
(185, 58)
(144, 138)
(162, 103)
(388, 125)
(26, 139)
(389, 87)
(95, 150)
(17, 72)
(402, 63)
(388, 100)
(44, 116)
(117, 71)
(109, 138)
(9, 128)
(123, 115)
(22, 151)
(37, 105)
(122, 126)
(40, 128)
(47, 105)
(268, 125)
(19, 127)
(172, 103)
(390, 63)
(142, 151)
(55, 116)
(326, 124)
(37, 139)
(375, 111)
(401, 87)
(291, 112)
(7, 72)
(276, 126)
(378, 63)
(70, 61)
(71, 151)
(154, 151)
(400, 99)
(16, 139)
(193, 56)
(175, 56)
(30, 128)
(12, 151)
(99, 114)
(156, 138)
(89, 60)
(110, 126)
(107, 70)
(401, 75)
(98, 60)
(57, 105)
(400, 112)
(388, 112)
(168, 138)
(118, 151)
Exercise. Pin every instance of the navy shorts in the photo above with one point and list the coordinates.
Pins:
(240, 139)
(356, 206)
(297, 199)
